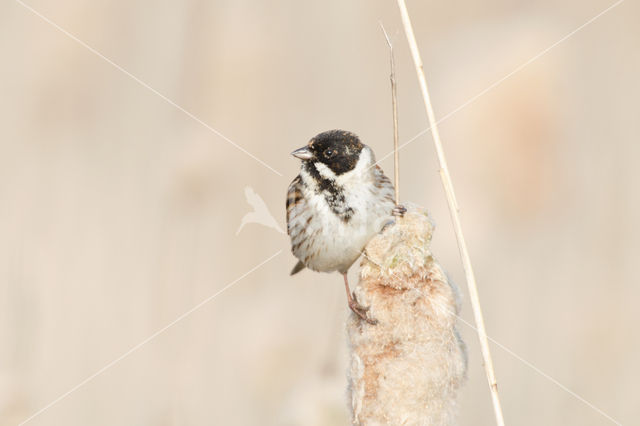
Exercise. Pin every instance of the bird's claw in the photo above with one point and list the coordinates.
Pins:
(388, 224)
(360, 310)
(399, 210)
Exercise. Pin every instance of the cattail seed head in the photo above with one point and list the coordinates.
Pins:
(407, 368)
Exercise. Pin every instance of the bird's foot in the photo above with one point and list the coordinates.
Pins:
(360, 310)
(399, 210)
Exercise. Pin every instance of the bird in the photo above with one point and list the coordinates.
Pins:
(338, 202)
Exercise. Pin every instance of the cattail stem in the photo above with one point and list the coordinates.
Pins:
(453, 210)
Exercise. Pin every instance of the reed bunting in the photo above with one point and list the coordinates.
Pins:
(337, 203)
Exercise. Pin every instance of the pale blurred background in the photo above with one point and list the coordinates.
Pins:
(119, 212)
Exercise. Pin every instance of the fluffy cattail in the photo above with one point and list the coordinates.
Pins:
(406, 369)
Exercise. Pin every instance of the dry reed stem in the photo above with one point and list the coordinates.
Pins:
(453, 210)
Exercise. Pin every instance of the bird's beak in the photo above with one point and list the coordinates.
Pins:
(303, 153)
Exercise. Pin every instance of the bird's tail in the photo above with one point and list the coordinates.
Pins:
(299, 267)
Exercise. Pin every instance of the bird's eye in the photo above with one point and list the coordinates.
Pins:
(328, 153)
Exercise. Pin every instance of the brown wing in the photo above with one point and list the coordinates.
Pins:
(295, 202)
(383, 182)
(294, 198)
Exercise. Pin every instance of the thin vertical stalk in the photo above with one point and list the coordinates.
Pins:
(394, 103)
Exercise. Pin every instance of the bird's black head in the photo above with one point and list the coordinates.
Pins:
(339, 150)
